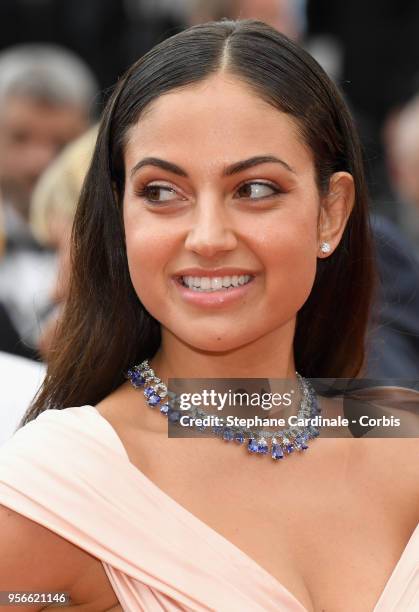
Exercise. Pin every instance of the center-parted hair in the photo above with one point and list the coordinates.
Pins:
(105, 329)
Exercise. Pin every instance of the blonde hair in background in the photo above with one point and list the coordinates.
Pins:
(56, 194)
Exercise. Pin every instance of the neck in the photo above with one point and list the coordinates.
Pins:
(268, 357)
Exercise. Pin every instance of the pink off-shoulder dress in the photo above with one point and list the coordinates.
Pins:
(68, 471)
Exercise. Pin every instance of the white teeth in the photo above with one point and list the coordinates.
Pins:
(214, 283)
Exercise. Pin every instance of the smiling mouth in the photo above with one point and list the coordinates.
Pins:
(210, 284)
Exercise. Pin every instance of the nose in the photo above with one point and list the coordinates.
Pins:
(211, 232)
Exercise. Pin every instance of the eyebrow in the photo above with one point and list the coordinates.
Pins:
(235, 168)
(255, 161)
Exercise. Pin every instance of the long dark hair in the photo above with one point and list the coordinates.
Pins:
(105, 328)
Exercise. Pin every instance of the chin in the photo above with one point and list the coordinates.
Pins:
(220, 342)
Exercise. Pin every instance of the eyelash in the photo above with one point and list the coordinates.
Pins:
(276, 190)
(143, 192)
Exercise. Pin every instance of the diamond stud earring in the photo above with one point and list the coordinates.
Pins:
(325, 247)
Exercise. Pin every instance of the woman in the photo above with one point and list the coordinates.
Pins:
(225, 152)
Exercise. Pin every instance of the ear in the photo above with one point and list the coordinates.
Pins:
(335, 208)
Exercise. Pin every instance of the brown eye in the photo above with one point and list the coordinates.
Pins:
(257, 191)
(157, 193)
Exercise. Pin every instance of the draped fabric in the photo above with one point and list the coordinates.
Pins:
(69, 472)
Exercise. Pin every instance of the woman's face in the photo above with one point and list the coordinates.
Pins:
(221, 215)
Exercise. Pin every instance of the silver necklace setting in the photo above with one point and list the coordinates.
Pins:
(278, 444)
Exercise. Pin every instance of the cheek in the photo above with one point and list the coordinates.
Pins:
(142, 261)
(290, 259)
(148, 255)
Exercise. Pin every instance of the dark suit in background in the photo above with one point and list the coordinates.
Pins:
(9, 338)
(393, 338)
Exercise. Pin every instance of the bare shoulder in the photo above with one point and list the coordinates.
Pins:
(36, 559)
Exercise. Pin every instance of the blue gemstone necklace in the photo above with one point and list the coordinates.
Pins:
(278, 444)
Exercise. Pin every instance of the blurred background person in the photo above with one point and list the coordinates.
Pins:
(52, 210)
(46, 97)
(2, 236)
(9, 338)
(20, 378)
(378, 72)
(108, 34)
(395, 330)
(287, 16)
(54, 200)
(51, 215)
(393, 337)
(401, 136)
